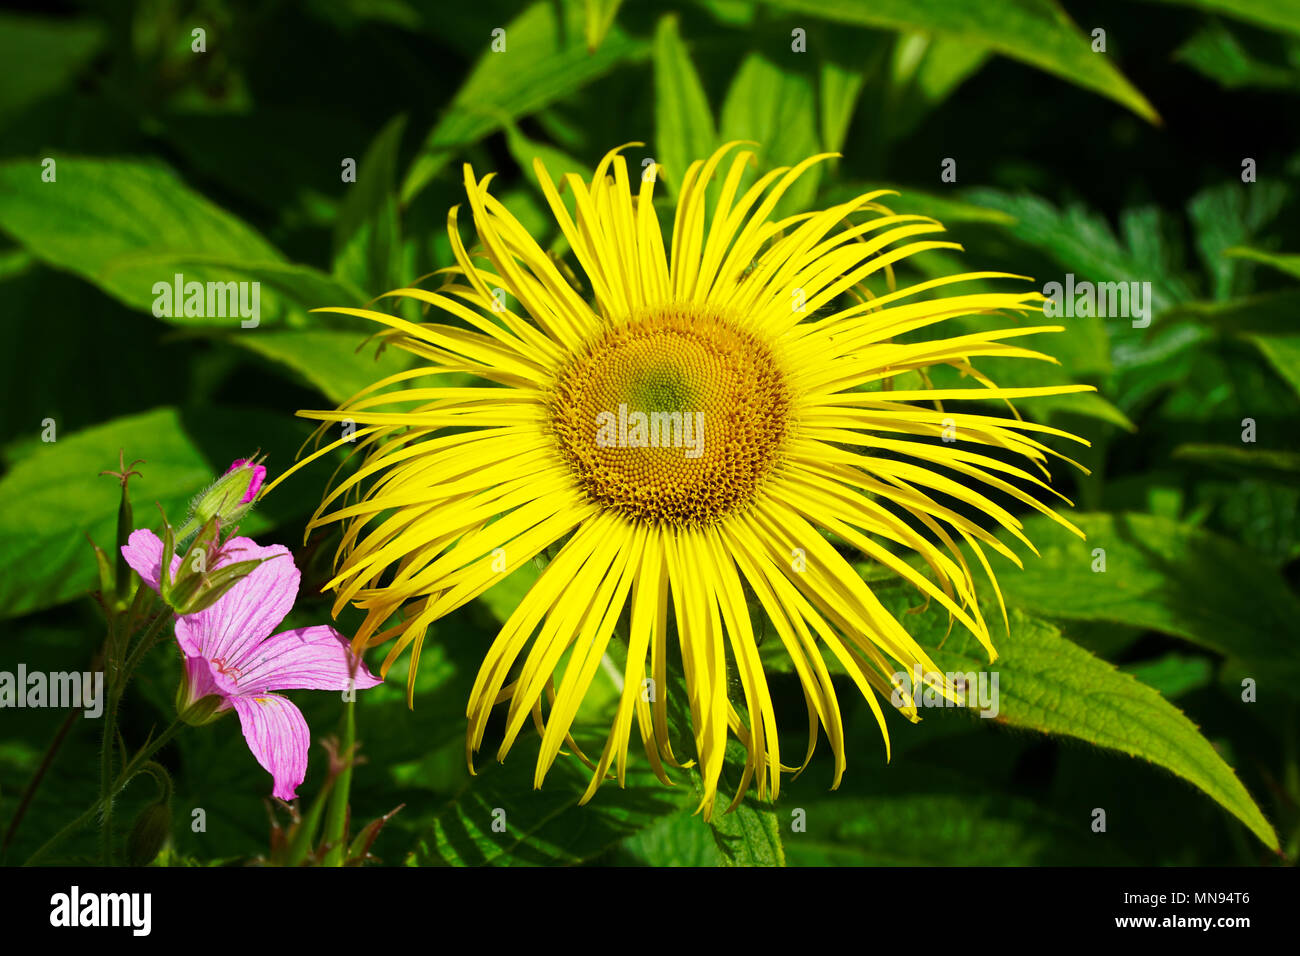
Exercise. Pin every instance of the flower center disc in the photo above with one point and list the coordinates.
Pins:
(672, 417)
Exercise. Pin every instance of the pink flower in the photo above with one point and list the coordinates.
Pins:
(233, 659)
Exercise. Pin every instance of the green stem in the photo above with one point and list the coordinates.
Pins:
(112, 663)
(147, 640)
(117, 673)
(132, 768)
(336, 814)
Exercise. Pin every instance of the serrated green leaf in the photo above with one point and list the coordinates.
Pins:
(750, 835)
(1166, 576)
(499, 820)
(971, 826)
(681, 839)
(1227, 216)
(1173, 675)
(1048, 684)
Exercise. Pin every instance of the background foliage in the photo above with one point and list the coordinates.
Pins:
(1121, 690)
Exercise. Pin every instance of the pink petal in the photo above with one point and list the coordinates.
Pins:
(202, 679)
(278, 736)
(247, 613)
(307, 658)
(143, 552)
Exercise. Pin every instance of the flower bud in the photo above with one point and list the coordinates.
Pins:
(150, 832)
(232, 495)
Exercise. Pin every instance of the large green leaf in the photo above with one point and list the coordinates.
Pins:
(1037, 32)
(126, 226)
(545, 59)
(117, 223)
(57, 496)
(774, 105)
(499, 820)
(1048, 684)
(969, 826)
(684, 128)
(1166, 576)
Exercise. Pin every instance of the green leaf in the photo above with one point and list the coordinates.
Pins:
(1050, 685)
(775, 107)
(545, 59)
(684, 130)
(1283, 352)
(499, 820)
(1216, 52)
(1173, 675)
(1083, 242)
(126, 226)
(1266, 321)
(682, 839)
(41, 56)
(839, 91)
(1162, 575)
(913, 200)
(558, 163)
(1286, 262)
(1267, 13)
(1037, 32)
(750, 835)
(600, 17)
(367, 237)
(335, 362)
(970, 826)
(56, 496)
(1227, 216)
(1241, 461)
(117, 222)
(926, 70)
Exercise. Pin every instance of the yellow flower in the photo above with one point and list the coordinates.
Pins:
(696, 434)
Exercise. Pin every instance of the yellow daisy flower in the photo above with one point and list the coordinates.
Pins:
(699, 437)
